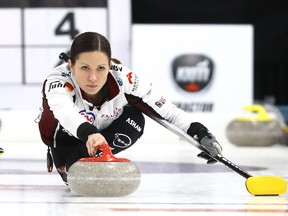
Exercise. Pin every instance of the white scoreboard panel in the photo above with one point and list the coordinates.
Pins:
(50, 31)
(34, 32)
(10, 45)
(32, 37)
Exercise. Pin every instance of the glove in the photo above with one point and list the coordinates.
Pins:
(207, 157)
(210, 143)
(207, 140)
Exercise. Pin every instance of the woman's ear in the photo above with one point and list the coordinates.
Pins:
(71, 66)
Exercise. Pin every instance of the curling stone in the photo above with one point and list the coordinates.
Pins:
(104, 176)
(259, 130)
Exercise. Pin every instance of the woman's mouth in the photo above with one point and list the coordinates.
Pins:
(92, 86)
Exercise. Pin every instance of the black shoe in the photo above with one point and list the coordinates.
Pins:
(63, 175)
(1, 150)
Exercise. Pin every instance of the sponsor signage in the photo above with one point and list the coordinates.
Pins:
(200, 68)
(192, 72)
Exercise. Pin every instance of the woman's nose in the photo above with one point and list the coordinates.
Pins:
(92, 76)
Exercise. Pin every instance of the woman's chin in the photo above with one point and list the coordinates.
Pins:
(91, 92)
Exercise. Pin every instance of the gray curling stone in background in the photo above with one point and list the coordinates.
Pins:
(260, 130)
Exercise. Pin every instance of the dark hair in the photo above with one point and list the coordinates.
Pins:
(87, 42)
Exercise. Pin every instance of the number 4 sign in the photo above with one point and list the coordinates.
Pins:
(59, 26)
(72, 31)
(48, 32)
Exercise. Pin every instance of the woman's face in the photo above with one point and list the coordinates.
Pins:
(90, 71)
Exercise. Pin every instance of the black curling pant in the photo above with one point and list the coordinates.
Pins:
(120, 135)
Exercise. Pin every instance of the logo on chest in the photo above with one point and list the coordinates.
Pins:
(113, 115)
(88, 115)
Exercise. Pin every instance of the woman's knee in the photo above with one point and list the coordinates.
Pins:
(126, 130)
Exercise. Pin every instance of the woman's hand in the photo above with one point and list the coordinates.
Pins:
(94, 140)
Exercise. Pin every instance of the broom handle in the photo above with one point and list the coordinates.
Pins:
(195, 143)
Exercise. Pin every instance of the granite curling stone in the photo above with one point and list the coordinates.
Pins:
(260, 130)
(106, 176)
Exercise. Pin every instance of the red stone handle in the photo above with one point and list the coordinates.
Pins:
(106, 156)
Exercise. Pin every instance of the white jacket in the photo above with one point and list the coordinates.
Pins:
(69, 107)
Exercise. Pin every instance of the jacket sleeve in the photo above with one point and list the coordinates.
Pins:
(59, 94)
(139, 93)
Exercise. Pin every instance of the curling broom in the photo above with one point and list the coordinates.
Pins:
(256, 185)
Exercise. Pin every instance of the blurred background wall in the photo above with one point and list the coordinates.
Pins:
(269, 19)
(242, 37)
(34, 32)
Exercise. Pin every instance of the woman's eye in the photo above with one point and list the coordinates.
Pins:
(85, 68)
(101, 68)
